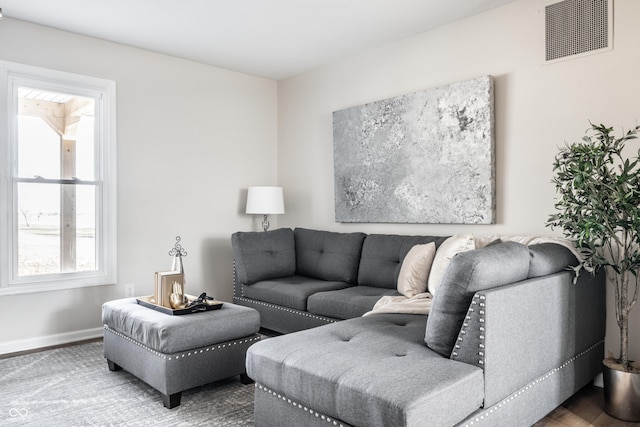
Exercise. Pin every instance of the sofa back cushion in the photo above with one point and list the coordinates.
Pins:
(327, 255)
(549, 258)
(263, 255)
(467, 273)
(382, 256)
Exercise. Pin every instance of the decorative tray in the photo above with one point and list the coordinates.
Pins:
(207, 305)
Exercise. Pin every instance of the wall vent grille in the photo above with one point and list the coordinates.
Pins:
(576, 27)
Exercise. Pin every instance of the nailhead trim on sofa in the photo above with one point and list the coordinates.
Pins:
(474, 319)
(531, 385)
(288, 310)
(186, 353)
(323, 417)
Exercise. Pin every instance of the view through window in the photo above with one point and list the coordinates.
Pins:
(56, 183)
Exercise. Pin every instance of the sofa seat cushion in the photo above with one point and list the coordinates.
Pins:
(369, 371)
(382, 256)
(346, 303)
(291, 291)
(327, 255)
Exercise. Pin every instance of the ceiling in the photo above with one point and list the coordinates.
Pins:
(268, 38)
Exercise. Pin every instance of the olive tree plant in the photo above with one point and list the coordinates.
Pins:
(598, 207)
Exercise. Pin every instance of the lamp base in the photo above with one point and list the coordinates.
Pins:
(265, 223)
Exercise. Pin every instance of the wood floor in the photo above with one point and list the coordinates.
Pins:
(583, 409)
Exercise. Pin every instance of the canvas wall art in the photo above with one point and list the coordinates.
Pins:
(425, 157)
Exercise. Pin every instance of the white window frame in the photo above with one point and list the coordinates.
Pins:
(103, 92)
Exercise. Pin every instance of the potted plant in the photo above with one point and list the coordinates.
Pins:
(599, 208)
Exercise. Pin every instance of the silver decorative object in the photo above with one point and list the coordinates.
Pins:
(177, 298)
(177, 252)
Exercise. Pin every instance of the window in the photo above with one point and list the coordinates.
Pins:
(58, 188)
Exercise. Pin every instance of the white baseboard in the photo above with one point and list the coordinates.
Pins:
(49, 340)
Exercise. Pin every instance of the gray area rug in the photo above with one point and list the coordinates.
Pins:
(73, 386)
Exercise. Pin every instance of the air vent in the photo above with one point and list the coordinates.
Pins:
(574, 28)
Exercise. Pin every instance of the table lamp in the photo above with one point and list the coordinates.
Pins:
(265, 201)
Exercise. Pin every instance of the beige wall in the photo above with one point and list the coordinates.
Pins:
(191, 138)
(538, 107)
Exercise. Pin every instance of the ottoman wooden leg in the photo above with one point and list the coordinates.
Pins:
(113, 366)
(172, 400)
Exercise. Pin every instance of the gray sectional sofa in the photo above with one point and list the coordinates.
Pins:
(508, 338)
(302, 278)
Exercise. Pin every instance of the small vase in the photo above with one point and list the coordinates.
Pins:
(621, 393)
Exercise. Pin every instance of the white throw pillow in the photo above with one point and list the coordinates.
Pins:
(446, 251)
(414, 270)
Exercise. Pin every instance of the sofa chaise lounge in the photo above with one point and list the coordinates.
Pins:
(508, 336)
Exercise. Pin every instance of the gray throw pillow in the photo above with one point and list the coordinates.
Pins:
(468, 273)
(263, 255)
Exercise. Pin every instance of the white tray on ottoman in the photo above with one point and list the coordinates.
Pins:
(176, 353)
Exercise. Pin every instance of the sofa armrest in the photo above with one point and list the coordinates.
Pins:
(520, 332)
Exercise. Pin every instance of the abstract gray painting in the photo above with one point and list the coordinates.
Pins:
(425, 157)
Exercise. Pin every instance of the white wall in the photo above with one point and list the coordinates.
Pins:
(538, 107)
(191, 139)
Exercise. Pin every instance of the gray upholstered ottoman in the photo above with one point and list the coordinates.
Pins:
(176, 353)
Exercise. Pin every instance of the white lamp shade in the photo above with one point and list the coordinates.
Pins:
(265, 200)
